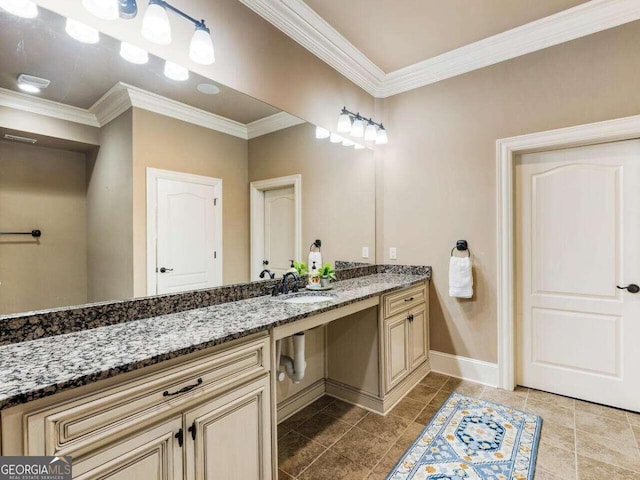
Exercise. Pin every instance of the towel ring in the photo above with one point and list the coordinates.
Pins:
(468, 250)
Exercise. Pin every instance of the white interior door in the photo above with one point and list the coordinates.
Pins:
(188, 236)
(577, 239)
(279, 229)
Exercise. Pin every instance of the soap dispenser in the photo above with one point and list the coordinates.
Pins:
(314, 278)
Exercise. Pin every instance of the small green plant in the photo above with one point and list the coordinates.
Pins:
(301, 268)
(327, 271)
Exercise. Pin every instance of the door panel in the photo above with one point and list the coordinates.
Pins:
(396, 349)
(186, 238)
(577, 237)
(419, 339)
(233, 435)
(279, 229)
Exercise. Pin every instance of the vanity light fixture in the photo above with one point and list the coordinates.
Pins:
(133, 54)
(335, 138)
(20, 8)
(156, 28)
(358, 126)
(81, 32)
(175, 72)
(105, 9)
(348, 143)
(322, 133)
(32, 84)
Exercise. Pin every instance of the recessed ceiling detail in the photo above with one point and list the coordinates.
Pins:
(304, 25)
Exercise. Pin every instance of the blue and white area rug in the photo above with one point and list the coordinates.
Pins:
(472, 439)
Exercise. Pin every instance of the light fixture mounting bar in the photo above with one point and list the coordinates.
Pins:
(198, 23)
(360, 117)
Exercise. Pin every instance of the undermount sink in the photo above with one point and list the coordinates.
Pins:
(298, 299)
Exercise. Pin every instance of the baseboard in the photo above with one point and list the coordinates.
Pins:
(297, 402)
(465, 368)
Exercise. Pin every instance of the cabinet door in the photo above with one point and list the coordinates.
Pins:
(154, 454)
(396, 345)
(419, 333)
(229, 437)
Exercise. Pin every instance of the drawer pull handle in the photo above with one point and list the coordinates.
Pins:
(183, 389)
(410, 299)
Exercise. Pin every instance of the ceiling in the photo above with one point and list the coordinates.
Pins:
(394, 34)
(80, 74)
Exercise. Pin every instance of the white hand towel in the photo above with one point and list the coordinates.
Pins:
(460, 277)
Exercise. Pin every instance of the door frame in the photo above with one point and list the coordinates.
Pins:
(152, 176)
(506, 151)
(257, 191)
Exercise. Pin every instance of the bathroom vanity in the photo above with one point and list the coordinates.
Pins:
(197, 398)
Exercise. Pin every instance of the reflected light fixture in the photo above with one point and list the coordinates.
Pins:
(133, 54)
(32, 84)
(348, 143)
(358, 146)
(21, 8)
(372, 132)
(105, 9)
(175, 72)
(81, 32)
(322, 133)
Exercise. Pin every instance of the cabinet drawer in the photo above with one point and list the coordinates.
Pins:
(76, 426)
(396, 302)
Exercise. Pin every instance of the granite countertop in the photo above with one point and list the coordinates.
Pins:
(39, 368)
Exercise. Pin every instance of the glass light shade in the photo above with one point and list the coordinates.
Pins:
(344, 123)
(133, 54)
(155, 25)
(81, 32)
(105, 9)
(381, 137)
(21, 8)
(322, 133)
(358, 146)
(335, 138)
(370, 133)
(357, 129)
(201, 48)
(175, 72)
(347, 143)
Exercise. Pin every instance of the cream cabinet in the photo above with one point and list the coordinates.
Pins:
(206, 415)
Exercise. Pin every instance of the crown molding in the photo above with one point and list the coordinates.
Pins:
(48, 108)
(301, 23)
(296, 19)
(272, 123)
(121, 97)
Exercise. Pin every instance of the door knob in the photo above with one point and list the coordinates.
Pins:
(165, 270)
(631, 288)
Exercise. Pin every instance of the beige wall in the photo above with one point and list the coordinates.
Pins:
(338, 188)
(110, 214)
(42, 188)
(170, 144)
(440, 168)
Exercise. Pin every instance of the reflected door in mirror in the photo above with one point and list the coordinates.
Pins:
(279, 229)
(187, 240)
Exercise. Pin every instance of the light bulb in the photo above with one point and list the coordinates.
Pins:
(381, 137)
(335, 138)
(81, 32)
(201, 48)
(105, 9)
(357, 129)
(358, 146)
(175, 72)
(155, 24)
(322, 133)
(344, 123)
(370, 132)
(21, 8)
(133, 54)
(348, 143)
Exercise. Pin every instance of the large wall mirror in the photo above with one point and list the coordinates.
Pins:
(143, 185)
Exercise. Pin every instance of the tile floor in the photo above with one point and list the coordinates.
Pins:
(331, 439)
